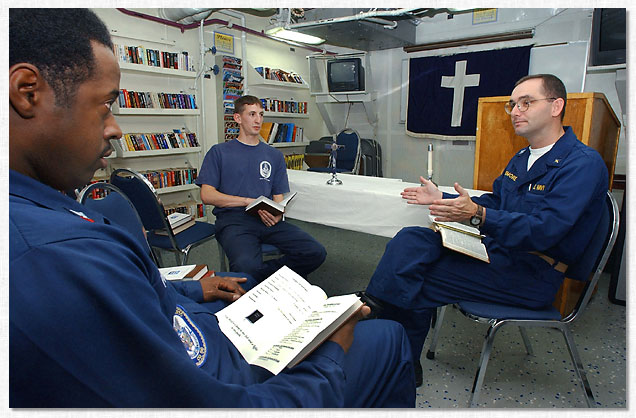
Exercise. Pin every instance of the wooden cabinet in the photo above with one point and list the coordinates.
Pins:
(589, 115)
(593, 122)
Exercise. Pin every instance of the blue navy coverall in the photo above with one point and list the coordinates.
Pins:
(92, 324)
(552, 208)
(238, 169)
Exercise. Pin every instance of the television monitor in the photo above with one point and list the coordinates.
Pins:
(345, 74)
(608, 37)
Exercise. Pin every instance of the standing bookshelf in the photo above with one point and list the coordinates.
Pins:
(160, 118)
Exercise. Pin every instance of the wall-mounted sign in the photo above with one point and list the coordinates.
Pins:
(484, 16)
(224, 42)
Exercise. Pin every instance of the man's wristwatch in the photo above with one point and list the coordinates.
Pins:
(477, 218)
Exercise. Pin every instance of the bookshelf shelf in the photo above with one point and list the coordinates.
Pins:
(289, 144)
(286, 115)
(173, 189)
(260, 81)
(156, 112)
(141, 68)
(121, 153)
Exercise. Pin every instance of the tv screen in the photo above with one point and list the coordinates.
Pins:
(609, 36)
(345, 75)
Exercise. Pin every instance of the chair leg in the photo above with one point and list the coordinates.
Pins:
(222, 262)
(483, 363)
(578, 366)
(437, 326)
(526, 341)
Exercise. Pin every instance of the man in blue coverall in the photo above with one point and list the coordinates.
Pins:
(538, 219)
(232, 175)
(91, 321)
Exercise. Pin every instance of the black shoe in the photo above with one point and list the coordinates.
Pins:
(372, 302)
(419, 375)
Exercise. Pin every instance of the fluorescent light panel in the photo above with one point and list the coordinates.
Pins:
(291, 35)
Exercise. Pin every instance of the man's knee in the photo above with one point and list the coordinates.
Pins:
(246, 263)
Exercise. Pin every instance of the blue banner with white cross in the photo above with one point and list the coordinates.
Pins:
(444, 91)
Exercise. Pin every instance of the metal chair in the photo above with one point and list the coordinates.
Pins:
(151, 211)
(348, 159)
(111, 202)
(591, 265)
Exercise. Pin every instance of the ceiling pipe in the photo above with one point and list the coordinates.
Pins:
(208, 22)
(373, 16)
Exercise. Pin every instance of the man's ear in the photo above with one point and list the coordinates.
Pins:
(237, 117)
(557, 106)
(25, 88)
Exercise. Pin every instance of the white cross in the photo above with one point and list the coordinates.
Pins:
(458, 83)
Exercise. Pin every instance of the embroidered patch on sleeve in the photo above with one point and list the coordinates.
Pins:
(190, 336)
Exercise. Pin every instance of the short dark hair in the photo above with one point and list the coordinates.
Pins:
(58, 42)
(552, 87)
(243, 101)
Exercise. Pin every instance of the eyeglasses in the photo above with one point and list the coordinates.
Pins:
(523, 104)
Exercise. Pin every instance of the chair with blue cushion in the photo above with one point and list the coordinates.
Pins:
(590, 266)
(111, 202)
(348, 158)
(151, 211)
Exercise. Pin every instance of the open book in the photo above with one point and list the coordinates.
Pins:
(283, 319)
(461, 238)
(264, 203)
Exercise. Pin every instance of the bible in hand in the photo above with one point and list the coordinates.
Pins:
(264, 203)
(461, 238)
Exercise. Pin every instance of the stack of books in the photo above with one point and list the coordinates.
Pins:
(179, 222)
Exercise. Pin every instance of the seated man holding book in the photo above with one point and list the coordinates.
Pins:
(92, 323)
(235, 173)
(538, 219)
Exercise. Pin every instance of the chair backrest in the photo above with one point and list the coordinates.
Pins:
(596, 254)
(349, 157)
(111, 202)
(143, 195)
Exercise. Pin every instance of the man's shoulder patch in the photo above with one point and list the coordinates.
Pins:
(190, 335)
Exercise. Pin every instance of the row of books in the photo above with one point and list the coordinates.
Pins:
(190, 207)
(154, 57)
(286, 106)
(295, 161)
(232, 90)
(153, 100)
(273, 132)
(158, 140)
(171, 177)
(279, 75)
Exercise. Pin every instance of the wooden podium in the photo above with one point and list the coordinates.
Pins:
(593, 122)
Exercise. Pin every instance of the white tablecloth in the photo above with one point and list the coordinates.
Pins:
(365, 204)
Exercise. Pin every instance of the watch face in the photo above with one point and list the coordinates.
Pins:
(475, 221)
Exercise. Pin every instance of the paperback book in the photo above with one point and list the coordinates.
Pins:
(283, 319)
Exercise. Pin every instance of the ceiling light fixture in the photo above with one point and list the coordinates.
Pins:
(290, 35)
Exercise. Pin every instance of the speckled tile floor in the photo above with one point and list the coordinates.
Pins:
(513, 379)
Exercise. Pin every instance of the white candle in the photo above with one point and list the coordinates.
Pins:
(430, 161)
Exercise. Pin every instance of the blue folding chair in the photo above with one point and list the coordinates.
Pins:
(590, 266)
(348, 158)
(151, 211)
(111, 202)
